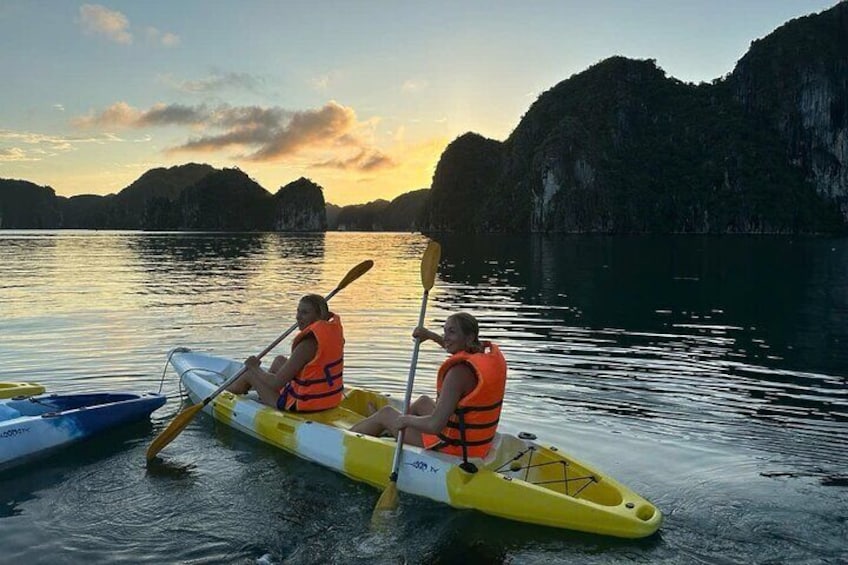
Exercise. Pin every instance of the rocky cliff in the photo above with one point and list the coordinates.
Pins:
(622, 148)
(300, 207)
(796, 81)
(464, 185)
(200, 197)
(226, 200)
(404, 213)
(25, 205)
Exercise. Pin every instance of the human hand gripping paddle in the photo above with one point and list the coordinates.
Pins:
(183, 418)
(388, 501)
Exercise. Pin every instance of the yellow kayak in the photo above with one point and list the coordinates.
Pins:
(11, 390)
(519, 480)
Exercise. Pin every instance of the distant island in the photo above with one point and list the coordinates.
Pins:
(201, 197)
(617, 148)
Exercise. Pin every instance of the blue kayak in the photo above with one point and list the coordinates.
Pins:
(34, 426)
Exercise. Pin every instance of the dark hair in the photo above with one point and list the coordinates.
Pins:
(468, 326)
(319, 304)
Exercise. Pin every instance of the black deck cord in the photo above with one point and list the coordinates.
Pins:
(465, 465)
(516, 458)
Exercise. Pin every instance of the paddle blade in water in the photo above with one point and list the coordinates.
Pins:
(388, 502)
(173, 430)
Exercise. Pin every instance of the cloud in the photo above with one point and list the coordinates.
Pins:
(99, 20)
(173, 114)
(15, 154)
(51, 142)
(115, 26)
(165, 39)
(364, 160)
(119, 114)
(215, 82)
(122, 115)
(60, 107)
(261, 134)
(331, 123)
(323, 82)
(29, 146)
(414, 85)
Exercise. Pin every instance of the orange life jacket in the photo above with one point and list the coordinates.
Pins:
(318, 386)
(471, 428)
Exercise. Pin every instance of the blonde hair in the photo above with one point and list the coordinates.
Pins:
(469, 327)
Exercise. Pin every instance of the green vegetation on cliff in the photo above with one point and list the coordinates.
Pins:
(301, 207)
(200, 197)
(24, 205)
(404, 213)
(226, 200)
(463, 185)
(621, 148)
(795, 82)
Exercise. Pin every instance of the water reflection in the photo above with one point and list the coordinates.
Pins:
(197, 250)
(693, 331)
(25, 483)
(703, 372)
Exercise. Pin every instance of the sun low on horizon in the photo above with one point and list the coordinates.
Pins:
(360, 97)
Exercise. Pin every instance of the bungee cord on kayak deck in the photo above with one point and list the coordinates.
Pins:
(165, 370)
(181, 395)
(514, 466)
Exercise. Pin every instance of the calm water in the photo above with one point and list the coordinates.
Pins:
(709, 374)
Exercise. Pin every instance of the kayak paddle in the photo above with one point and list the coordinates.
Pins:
(388, 501)
(183, 418)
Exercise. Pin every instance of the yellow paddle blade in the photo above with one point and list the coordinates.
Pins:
(177, 425)
(388, 502)
(429, 264)
(355, 273)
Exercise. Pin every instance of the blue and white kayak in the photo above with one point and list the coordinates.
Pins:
(31, 427)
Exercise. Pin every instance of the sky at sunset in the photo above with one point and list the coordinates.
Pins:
(360, 96)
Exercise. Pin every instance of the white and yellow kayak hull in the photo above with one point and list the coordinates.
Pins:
(519, 479)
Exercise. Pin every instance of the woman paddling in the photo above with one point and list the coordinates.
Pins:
(311, 379)
(470, 388)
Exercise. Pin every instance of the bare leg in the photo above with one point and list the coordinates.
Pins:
(241, 385)
(423, 406)
(278, 363)
(380, 421)
(267, 388)
(385, 420)
(244, 383)
(265, 384)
